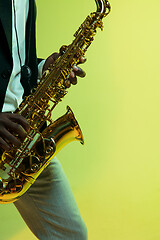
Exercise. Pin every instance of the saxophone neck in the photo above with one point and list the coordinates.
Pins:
(103, 7)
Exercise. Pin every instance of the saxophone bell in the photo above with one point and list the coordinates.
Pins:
(64, 130)
(58, 134)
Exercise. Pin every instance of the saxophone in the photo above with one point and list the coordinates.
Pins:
(19, 167)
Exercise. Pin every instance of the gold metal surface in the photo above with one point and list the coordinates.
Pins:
(20, 167)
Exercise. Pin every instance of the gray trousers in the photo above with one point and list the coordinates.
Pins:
(49, 208)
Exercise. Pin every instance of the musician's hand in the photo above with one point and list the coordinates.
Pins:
(13, 130)
(77, 71)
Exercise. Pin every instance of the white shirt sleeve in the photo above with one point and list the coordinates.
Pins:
(40, 68)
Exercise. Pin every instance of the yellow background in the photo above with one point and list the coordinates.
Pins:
(115, 176)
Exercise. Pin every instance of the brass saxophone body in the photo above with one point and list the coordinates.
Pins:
(19, 167)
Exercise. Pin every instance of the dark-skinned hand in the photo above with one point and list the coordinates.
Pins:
(13, 130)
(76, 72)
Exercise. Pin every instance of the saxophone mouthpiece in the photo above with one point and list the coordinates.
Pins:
(103, 6)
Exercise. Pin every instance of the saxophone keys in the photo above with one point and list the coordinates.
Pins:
(31, 164)
(45, 147)
(67, 83)
(14, 186)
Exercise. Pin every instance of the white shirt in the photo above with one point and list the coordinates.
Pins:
(15, 90)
